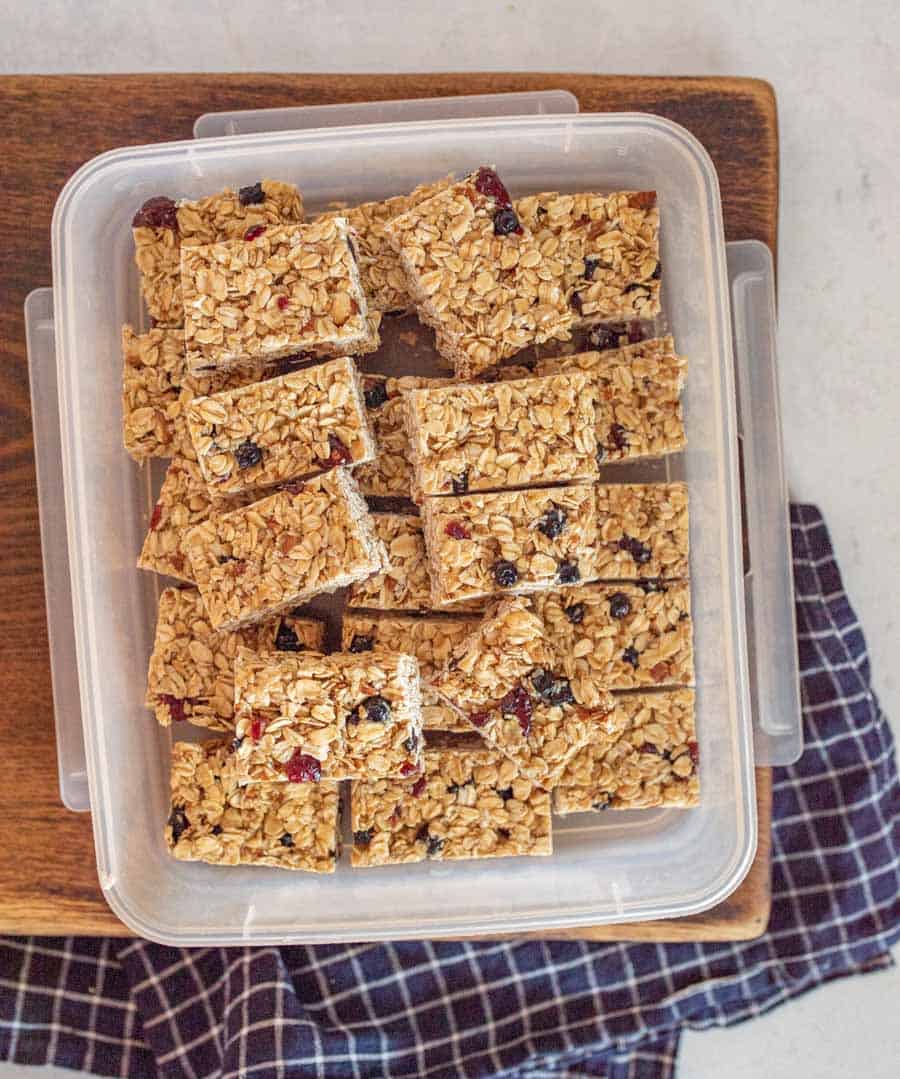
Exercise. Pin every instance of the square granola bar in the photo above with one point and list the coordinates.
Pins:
(467, 804)
(477, 276)
(276, 291)
(215, 819)
(276, 553)
(302, 718)
(642, 530)
(650, 759)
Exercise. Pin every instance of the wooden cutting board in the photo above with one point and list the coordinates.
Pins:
(51, 125)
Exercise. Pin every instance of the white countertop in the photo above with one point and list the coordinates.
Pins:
(835, 67)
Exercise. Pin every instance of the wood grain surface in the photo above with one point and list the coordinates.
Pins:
(49, 125)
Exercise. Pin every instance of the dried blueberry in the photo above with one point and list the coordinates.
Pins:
(286, 640)
(638, 551)
(619, 605)
(568, 572)
(630, 655)
(553, 690)
(287, 840)
(216, 829)
(375, 394)
(506, 793)
(505, 573)
(179, 823)
(575, 613)
(247, 454)
(461, 483)
(251, 195)
(363, 838)
(505, 222)
(377, 709)
(552, 522)
(236, 744)
(618, 436)
(159, 212)
(361, 643)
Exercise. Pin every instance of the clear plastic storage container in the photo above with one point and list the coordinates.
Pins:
(610, 867)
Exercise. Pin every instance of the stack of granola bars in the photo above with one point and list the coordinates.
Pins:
(515, 632)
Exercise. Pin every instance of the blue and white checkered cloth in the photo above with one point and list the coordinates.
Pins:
(528, 1009)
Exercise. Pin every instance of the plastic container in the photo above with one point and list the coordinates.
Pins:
(607, 867)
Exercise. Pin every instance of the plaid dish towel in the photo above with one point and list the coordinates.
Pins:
(530, 1009)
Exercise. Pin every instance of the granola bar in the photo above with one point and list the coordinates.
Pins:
(191, 672)
(276, 291)
(477, 276)
(310, 538)
(379, 268)
(497, 435)
(622, 636)
(642, 530)
(468, 804)
(519, 541)
(162, 225)
(506, 679)
(153, 370)
(390, 474)
(214, 819)
(430, 640)
(638, 397)
(284, 428)
(301, 718)
(609, 248)
(404, 584)
(650, 760)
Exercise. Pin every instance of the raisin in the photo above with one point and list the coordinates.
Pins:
(505, 573)
(457, 530)
(630, 655)
(339, 454)
(418, 787)
(375, 394)
(156, 517)
(363, 838)
(159, 212)
(551, 689)
(286, 640)
(505, 222)
(488, 183)
(638, 551)
(461, 483)
(552, 522)
(518, 703)
(619, 605)
(568, 572)
(287, 840)
(216, 829)
(179, 823)
(506, 793)
(642, 200)
(377, 709)
(575, 613)
(302, 768)
(361, 643)
(251, 195)
(618, 436)
(575, 302)
(478, 719)
(247, 454)
(254, 232)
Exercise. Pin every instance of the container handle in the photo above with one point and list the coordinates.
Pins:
(41, 346)
(768, 573)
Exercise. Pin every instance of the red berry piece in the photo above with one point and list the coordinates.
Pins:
(407, 768)
(302, 768)
(282, 302)
(457, 530)
(257, 726)
(642, 200)
(175, 706)
(479, 718)
(488, 183)
(339, 454)
(156, 517)
(649, 747)
(518, 703)
(694, 751)
(254, 232)
(418, 787)
(159, 212)
(618, 436)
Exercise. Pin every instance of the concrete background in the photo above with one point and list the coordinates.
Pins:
(835, 67)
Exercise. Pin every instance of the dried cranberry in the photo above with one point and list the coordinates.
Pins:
(657, 272)
(375, 393)
(630, 655)
(642, 200)
(286, 640)
(575, 613)
(339, 454)
(553, 690)
(568, 572)
(638, 551)
(506, 793)
(505, 573)
(287, 840)
(179, 823)
(488, 183)
(254, 232)
(457, 530)
(575, 302)
(282, 302)
(363, 838)
(360, 643)
(461, 483)
(247, 454)
(652, 584)
(251, 195)
(407, 768)
(159, 212)
(603, 337)
(552, 522)
(303, 768)
(518, 703)
(618, 436)
(257, 725)
(619, 605)
(175, 706)
(505, 222)
(694, 751)
(418, 787)
(156, 516)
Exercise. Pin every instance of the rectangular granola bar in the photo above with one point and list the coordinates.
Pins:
(390, 475)
(191, 672)
(213, 818)
(285, 428)
(430, 640)
(153, 370)
(310, 538)
(650, 759)
(642, 530)
(638, 397)
(477, 276)
(498, 435)
(507, 680)
(301, 718)
(622, 636)
(467, 804)
(404, 584)
(162, 226)
(519, 541)
(608, 246)
(276, 291)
